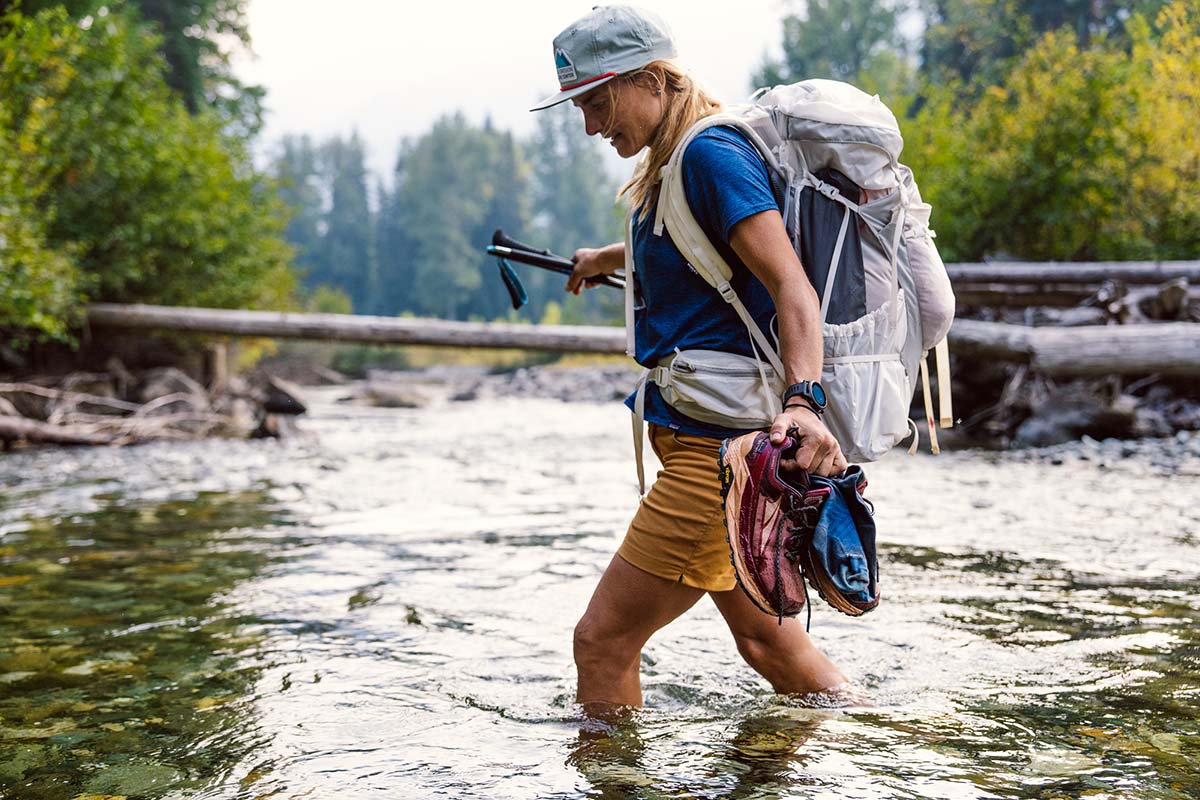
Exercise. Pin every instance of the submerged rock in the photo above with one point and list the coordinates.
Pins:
(134, 779)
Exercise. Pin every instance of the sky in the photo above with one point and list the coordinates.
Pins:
(389, 68)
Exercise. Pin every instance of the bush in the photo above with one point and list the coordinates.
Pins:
(151, 204)
(1080, 155)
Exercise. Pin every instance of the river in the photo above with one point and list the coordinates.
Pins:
(382, 607)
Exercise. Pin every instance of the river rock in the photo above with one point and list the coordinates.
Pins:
(133, 778)
(1151, 422)
(240, 415)
(1065, 418)
(282, 397)
(275, 426)
(11, 359)
(466, 394)
(393, 395)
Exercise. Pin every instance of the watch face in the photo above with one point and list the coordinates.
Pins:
(818, 394)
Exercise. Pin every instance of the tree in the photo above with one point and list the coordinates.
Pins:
(423, 250)
(1082, 154)
(573, 206)
(194, 39)
(154, 204)
(394, 245)
(976, 41)
(451, 187)
(197, 39)
(298, 178)
(347, 257)
(39, 285)
(837, 39)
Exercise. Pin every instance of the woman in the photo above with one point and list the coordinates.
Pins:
(615, 65)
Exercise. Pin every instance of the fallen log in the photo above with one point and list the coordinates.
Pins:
(1056, 295)
(1020, 295)
(1167, 348)
(1171, 348)
(1062, 272)
(355, 328)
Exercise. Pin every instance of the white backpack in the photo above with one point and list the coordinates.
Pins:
(870, 362)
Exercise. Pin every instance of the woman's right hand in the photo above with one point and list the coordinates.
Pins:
(591, 263)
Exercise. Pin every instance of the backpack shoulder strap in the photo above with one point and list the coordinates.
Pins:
(676, 215)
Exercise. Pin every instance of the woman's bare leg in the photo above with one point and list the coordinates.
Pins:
(783, 654)
(628, 606)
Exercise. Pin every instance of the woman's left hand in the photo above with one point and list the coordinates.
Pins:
(818, 453)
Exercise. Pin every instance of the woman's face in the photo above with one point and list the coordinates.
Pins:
(639, 110)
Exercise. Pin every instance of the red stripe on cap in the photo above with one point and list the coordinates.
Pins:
(589, 80)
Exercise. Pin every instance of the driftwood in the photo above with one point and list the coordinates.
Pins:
(60, 416)
(72, 397)
(1167, 348)
(29, 430)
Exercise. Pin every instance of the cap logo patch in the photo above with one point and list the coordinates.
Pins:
(566, 70)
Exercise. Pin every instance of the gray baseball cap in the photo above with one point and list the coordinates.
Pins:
(608, 42)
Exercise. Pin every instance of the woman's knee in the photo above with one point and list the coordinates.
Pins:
(756, 651)
(598, 644)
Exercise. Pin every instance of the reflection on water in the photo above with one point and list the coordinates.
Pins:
(384, 608)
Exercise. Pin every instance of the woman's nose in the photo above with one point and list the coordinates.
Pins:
(591, 123)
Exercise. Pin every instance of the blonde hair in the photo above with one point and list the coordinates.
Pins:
(686, 103)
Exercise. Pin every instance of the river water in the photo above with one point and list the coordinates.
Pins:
(382, 607)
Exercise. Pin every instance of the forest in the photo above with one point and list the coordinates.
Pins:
(1038, 130)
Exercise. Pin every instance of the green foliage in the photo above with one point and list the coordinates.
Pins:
(152, 204)
(298, 179)
(39, 286)
(1082, 154)
(452, 188)
(196, 40)
(328, 300)
(573, 207)
(976, 42)
(345, 248)
(839, 39)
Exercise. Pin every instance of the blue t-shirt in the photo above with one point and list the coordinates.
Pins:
(725, 181)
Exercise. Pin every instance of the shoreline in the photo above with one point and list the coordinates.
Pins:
(165, 403)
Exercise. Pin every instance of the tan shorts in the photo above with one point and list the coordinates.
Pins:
(678, 532)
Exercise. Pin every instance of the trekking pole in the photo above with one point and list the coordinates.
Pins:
(506, 249)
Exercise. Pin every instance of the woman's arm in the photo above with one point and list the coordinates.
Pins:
(591, 262)
(763, 245)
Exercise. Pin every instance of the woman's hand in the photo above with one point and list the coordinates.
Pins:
(818, 453)
(591, 263)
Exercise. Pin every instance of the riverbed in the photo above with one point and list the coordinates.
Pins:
(382, 607)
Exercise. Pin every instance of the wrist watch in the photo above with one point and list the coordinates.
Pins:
(810, 392)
